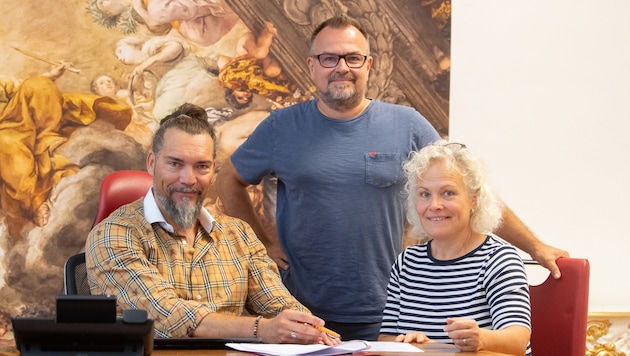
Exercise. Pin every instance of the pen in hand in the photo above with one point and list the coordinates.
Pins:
(328, 332)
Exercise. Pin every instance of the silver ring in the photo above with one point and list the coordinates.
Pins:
(293, 335)
(465, 341)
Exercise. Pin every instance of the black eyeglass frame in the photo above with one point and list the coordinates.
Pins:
(339, 57)
(456, 145)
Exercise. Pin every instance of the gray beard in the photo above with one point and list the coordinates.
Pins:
(341, 99)
(185, 215)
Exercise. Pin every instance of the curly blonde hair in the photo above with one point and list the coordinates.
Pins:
(486, 215)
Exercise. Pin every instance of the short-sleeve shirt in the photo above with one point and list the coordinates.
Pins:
(340, 204)
(489, 285)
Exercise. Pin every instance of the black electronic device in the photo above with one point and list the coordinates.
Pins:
(86, 309)
(88, 329)
(197, 343)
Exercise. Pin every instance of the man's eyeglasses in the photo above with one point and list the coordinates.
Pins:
(328, 60)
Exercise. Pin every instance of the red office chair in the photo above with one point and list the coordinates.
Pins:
(119, 188)
(560, 310)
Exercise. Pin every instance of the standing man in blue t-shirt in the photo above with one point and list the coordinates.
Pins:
(340, 207)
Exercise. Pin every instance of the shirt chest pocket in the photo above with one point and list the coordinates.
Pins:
(383, 170)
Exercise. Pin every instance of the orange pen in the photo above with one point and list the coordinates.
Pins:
(327, 331)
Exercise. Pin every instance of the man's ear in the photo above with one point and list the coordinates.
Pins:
(150, 162)
(310, 63)
(368, 63)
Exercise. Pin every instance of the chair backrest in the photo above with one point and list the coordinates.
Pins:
(75, 275)
(119, 188)
(560, 310)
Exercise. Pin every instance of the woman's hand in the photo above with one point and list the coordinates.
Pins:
(465, 333)
(417, 337)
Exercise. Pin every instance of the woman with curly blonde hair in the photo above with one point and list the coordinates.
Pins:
(463, 286)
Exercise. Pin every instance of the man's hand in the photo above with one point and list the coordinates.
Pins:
(294, 327)
(547, 255)
(277, 255)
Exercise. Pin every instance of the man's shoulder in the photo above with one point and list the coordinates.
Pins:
(127, 214)
(291, 110)
(232, 228)
(392, 107)
(127, 220)
(406, 118)
(222, 221)
(221, 218)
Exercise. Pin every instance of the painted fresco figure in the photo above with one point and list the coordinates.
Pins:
(151, 59)
(37, 120)
(253, 70)
(120, 13)
(176, 75)
(142, 124)
(200, 22)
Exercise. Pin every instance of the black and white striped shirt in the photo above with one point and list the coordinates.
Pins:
(488, 285)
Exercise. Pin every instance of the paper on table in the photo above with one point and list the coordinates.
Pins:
(301, 350)
(392, 346)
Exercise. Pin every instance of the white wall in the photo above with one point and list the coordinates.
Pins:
(541, 90)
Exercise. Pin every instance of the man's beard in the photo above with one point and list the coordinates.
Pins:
(341, 96)
(185, 214)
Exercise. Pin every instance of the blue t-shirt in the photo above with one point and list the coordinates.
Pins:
(340, 206)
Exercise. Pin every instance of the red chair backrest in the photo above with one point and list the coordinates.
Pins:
(119, 188)
(560, 311)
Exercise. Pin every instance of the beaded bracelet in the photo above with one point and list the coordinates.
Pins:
(256, 325)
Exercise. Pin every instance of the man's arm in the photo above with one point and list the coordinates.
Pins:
(277, 330)
(266, 295)
(515, 232)
(232, 191)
